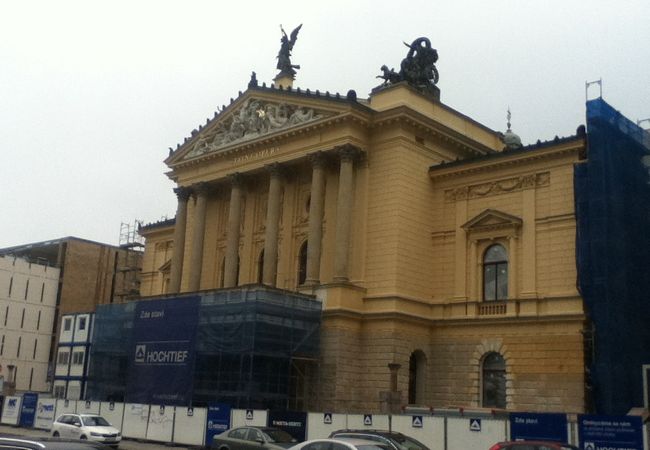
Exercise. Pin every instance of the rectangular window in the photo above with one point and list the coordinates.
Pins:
(11, 284)
(67, 324)
(78, 358)
(38, 322)
(35, 346)
(82, 323)
(64, 357)
(2, 345)
(59, 391)
(22, 320)
(42, 291)
(31, 378)
(26, 289)
(18, 349)
(6, 315)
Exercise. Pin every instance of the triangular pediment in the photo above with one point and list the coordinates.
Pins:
(255, 115)
(492, 219)
(165, 268)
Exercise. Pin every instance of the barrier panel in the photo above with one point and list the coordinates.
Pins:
(368, 421)
(189, 429)
(161, 423)
(87, 407)
(136, 419)
(474, 432)
(320, 425)
(45, 413)
(11, 410)
(113, 412)
(426, 429)
(249, 417)
(65, 407)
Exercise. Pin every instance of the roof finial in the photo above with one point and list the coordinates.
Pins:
(509, 116)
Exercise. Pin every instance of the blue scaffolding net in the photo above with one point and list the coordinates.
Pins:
(242, 346)
(612, 195)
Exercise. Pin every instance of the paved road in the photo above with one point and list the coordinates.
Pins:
(126, 444)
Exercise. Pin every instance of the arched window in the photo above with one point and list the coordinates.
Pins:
(260, 268)
(302, 264)
(494, 381)
(417, 377)
(495, 273)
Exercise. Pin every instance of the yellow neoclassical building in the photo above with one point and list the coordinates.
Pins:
(437, 246)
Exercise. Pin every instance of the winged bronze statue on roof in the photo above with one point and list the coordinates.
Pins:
(284, 55)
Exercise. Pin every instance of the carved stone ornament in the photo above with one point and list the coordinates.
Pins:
(498, 187)
(253, 119)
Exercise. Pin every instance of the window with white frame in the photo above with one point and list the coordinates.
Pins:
(78, 358)
(63, 357)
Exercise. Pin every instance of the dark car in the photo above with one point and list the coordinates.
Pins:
(46, 443)
(532, 445)
(253, 438)
(394, 439)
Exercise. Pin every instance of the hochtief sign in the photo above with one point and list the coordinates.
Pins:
(163, 346)
(610, 432)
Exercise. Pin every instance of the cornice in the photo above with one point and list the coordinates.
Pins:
(505, 159)
(404, 114)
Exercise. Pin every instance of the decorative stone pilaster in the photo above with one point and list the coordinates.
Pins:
(347, 155)
(270, 268)
(196, 255)
(176, 270)
(234, 225)
(316, 210)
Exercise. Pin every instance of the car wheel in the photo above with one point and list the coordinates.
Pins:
(83, 437)
(56, 434)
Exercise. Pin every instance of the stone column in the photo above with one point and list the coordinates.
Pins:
(234, 225)
(272, 225)
(316, 209)
(176, 270)
(196, 255)
(344, 213)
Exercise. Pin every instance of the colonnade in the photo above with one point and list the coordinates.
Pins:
(346, 155)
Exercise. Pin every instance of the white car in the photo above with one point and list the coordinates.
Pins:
(341, 444)
(86, 426)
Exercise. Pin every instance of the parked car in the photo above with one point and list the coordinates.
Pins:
(86, 427)
(394, 439)
(253, 438)
(532, 445)
(341, 444)
(46, 443)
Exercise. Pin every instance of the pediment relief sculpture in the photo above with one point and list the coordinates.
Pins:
(253, 119)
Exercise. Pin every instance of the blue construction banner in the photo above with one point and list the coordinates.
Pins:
(28, 409)
(162, 351)
(610, 432)
(293, 422)
(540, 427)
(217, 420)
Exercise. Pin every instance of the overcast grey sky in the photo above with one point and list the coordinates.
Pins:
(92, 93)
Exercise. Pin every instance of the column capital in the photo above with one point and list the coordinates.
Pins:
(183, 192)
(318, 159)
(275, 169)
(348, 152)
(201, 188)
(236, 179)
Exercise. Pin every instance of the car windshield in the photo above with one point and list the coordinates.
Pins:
(95, 421)
(372, 447)
(279, 436)
(407, 443)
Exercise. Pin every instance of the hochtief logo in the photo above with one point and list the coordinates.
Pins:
(140, 352)
(157, 356)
